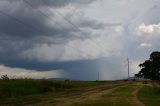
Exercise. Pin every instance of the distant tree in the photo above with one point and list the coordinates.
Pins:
(5, 77)
(138, 75)
(150, 68)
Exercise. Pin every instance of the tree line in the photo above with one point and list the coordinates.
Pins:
(150, 68)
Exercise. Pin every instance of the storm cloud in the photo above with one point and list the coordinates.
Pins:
(99, 33)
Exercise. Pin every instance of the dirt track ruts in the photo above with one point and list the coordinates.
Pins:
(82, 95)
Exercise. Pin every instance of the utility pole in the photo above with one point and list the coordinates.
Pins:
(128, 67)
(98, 75)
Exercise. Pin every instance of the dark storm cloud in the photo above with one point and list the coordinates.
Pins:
(26, 22)
(54, 3)
(59, 3)
(60, 34)
(78, 70)
(22, 23)
(22, 26)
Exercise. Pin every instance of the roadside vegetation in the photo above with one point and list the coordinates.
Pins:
(150, 69)
(122, 96)
(77, 93)
(149, 95)
(21, 87)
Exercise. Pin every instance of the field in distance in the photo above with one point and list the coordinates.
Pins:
(78, 93)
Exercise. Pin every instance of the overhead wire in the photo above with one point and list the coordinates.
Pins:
(75, 26)
(34, 28)
(21, 22)
(51, 20)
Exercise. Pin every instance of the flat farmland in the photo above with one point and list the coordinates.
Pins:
(78, 93)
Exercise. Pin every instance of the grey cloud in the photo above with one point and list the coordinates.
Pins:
(61, 3)
(53, 3)
(23, 73)
(28, 22)
(31, 22)
(93, 24)
(113, 21)
(24, 27)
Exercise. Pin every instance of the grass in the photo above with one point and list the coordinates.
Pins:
(27, 91)
(149, 95)
(95, 103)
(22, 87)
(123, 91)
(118, 97)
(13, 88)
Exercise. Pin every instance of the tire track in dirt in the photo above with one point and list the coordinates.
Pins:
(74, 96)
(135, 100)
(83, 95)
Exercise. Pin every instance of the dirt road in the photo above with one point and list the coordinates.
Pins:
(77, 96)
(72, 96)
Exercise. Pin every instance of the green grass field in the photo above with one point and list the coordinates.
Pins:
(149, 95)
(77, 93)
(14, 88)
(121, 96)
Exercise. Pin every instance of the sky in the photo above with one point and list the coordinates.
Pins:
(77, 39)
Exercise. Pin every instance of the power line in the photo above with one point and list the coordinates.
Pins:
(74, 26)
(30, 26)
(63, 17)
(25, 24)
(21, 22)
(42, 13)
(28, 3)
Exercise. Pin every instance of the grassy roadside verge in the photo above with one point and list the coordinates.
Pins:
(32, 91)
(122, 96)
(15, 88)
(149, 95)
